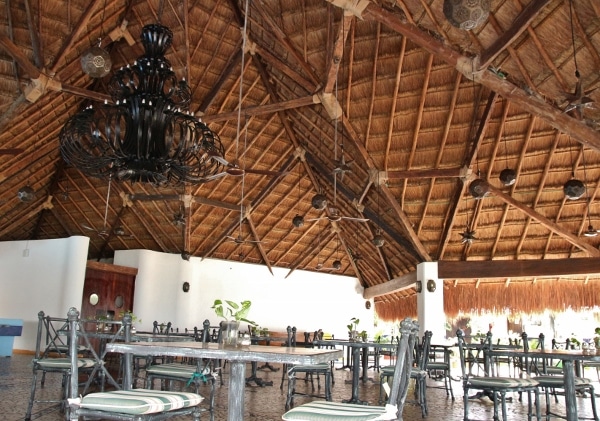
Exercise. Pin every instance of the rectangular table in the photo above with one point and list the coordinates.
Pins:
(237, 357)
(567, 357)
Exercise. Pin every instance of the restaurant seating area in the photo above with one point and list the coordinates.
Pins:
(270, 403)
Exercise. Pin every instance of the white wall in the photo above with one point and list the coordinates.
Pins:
(306, 300)
(39, 275)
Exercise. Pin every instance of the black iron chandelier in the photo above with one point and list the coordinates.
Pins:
(147, 135)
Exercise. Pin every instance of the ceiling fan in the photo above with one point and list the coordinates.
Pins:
(233, 168)
(106, 232)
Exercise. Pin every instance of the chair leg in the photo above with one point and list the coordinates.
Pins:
(593, 398)
(289, 402)
(31, 397)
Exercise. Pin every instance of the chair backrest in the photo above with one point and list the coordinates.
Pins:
(465, 353)
(49, 339)
(423, 352)
(291, 336)
(78, 335)
(404, 361)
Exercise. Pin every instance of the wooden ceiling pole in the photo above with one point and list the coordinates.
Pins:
(310, 250)
(397, 284)
(338, 50)
(234, 60)
(264, 109)
(52, 188)
(390, 128)
(284, 40)
(335, 227)
(469, 161)
(553, 116)
(259, 245)
(79, 28)
(519, 25)
(47, 204)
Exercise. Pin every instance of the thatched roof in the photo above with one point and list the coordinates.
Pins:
(425, 109)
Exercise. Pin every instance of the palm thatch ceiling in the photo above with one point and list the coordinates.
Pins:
(385, 108)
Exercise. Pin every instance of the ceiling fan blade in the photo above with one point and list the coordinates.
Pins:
(218, 158)
(355, 219)
(87, 227)
(265, 172)
(11, 151)
(316, 219)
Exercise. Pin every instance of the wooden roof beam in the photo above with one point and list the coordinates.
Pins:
(551, 115)
(397, 284)
(555, 228)
(488, 269)
(259, 245)
(519, 25)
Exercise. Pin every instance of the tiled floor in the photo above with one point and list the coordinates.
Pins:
(262, 403)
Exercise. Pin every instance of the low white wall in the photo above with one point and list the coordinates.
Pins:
(306, 300)
(40, 275)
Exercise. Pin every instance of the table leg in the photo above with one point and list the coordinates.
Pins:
(570, 399)
(355, 377)
(237, 383)
(365, 364)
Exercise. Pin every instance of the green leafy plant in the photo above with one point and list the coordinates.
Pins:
(230, 310)
(353, 324)
(134, 318)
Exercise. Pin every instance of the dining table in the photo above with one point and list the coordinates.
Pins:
(357, 347)
(238, 357)
(568, 358)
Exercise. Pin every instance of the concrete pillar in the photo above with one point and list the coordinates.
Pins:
(430, 302)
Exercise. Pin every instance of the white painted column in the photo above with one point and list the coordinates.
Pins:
(430, 302)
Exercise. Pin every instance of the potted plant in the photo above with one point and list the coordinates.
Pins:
(353, 328)
(134, 319)
(233, 313)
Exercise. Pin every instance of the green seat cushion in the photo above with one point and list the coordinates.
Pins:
(501, 382)
(559, 381)
(171, 370)
(554, 370)
(328, 411)
(433, 365)
(64, 363)
(139, 401)
(310, 367)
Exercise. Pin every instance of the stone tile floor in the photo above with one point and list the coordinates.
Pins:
(261, 403)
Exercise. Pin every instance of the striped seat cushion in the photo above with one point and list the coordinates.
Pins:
(64, 363)
(559, 381)
(331, 411)
(138, 401)
(184, 371)
(501, 382)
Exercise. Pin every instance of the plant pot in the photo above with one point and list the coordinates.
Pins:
(229, 333)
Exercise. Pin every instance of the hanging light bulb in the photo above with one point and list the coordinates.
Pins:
(378, 240)
(479, 188)
(574, 189)
(337, 265)
(26, 194)
(298, 221)
(319, 202)
(508, 176)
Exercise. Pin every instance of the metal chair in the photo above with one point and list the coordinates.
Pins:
(123, 403)
(417, 373)
(336, 411)
(438, 368)
(190, 372)
(495, 387)
(554, 383)
(308, 370)
(52, 356)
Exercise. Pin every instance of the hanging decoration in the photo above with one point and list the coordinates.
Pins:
(96, 60)
(466, 14)
(147, 135)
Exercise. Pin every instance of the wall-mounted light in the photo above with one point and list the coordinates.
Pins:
(431, 285)
(418, 286)
(186, 286)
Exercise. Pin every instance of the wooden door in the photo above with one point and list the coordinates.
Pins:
(112, 286)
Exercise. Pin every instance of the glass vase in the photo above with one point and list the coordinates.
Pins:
(229, 333)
